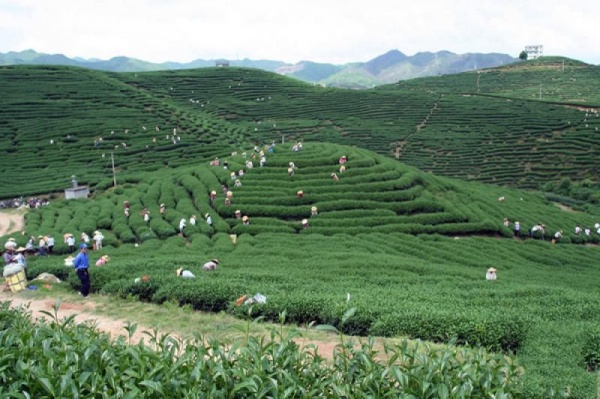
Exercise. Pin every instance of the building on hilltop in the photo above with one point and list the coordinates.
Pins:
(534, 51)
(76, 191)
(222, 63)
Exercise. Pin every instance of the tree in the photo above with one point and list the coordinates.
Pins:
(523, 55)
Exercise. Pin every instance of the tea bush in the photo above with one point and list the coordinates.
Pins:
(175, 368)
(591, 349)
(498, 333)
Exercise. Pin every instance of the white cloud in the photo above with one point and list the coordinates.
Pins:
(324, 31)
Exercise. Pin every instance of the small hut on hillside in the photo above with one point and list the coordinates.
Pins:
(76, 191)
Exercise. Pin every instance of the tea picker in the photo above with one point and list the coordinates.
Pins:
(210, 265)
(185, 273)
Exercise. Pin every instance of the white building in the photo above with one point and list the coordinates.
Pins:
(535, 51)
(76, 191)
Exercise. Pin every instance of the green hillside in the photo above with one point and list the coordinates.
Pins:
(373, 194)
(51, 118)
(406, 249)
(560, 79)
(431, 123)
(410, 249)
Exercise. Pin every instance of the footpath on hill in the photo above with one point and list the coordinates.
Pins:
(85, 313)
(82, 313)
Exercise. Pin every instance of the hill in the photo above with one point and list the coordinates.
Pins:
(431, 123)
(372, 194)
(395, 66)
(387, 68)
(407, 250)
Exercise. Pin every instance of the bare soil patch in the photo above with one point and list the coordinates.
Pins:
(565, 208)
(82, 313)
(11, 222)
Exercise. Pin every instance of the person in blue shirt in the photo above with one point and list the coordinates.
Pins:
(81, 264)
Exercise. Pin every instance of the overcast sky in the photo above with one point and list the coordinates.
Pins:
(330, 31)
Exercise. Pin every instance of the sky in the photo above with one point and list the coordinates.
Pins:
(330, 31)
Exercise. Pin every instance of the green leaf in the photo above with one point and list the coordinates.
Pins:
(443, 391)
(400, 376)
(348, 314)
(327, 327)
(250, 383)
(83, 377)
(153, 385)
(134, 393)
(47, 385)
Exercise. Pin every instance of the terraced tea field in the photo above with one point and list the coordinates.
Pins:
(408, 250)
(438, 124)
(373, 192)
(552, 79)
(59, 122)
(433, 123)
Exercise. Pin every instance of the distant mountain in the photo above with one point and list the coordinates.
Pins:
(310, 71)
(386, 68)
(378, 64)
(395, 66)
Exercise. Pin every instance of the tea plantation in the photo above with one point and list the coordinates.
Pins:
(178, 118)
(407, 250)
(378, 247)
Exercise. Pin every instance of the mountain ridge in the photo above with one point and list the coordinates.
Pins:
(389, 67)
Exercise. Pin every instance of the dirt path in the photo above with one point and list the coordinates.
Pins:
(84, 313)
(12, 222)
(81, 312)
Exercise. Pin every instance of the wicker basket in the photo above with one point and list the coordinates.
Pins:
(17, 282)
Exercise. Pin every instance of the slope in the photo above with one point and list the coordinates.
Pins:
(372, 194)
(407, 250)
(435, 124)
(58, 121)
(551, 79)
(493, 139)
